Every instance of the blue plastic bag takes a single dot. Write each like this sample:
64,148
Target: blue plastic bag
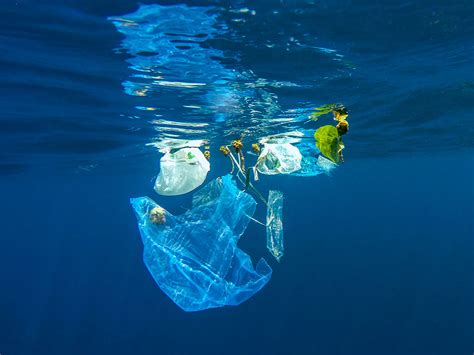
194,257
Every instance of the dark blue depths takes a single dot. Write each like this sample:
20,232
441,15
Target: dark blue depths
378,260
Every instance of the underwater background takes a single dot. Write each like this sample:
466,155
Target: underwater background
378,256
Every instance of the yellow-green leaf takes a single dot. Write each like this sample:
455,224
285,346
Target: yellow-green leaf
328,142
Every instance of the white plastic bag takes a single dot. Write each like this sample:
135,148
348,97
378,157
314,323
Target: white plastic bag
279,159
181,172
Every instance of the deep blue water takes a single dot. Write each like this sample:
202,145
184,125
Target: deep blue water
379,257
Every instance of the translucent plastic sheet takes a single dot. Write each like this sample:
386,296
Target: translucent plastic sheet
313,164
275,242
286,159
309,162
326,165
194,257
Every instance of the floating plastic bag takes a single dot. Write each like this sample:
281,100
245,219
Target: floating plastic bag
279,159
275,224
181,172
194,257
309,161
313,163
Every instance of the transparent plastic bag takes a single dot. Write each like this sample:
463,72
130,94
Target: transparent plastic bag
181,172
282,158
313,163
309,166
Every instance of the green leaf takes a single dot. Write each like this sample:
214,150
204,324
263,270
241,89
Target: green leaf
328,142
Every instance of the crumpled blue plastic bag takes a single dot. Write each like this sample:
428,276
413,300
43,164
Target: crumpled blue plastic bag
194,257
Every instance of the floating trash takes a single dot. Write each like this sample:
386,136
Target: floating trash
326,165
194,257
181,172
279,159
275,242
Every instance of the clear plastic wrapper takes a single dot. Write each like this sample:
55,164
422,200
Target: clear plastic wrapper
275,240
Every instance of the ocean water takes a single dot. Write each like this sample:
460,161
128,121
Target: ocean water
378,256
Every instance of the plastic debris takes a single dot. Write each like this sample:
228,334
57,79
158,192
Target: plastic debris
275,242
282,158
309,161
325,165
194,257
309,165
255,173
181,172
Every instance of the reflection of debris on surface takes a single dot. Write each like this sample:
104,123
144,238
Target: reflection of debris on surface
339,112
140,92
